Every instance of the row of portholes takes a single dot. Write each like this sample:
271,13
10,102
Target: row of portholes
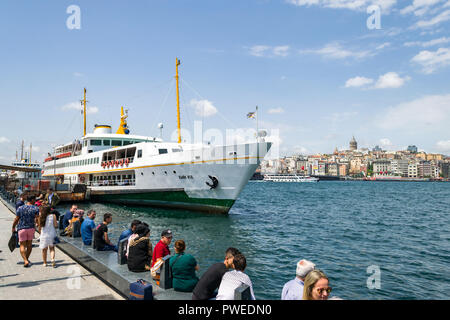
153,172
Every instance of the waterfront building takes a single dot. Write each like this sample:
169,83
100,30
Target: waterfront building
382,167
445,170
399,167
412,170
343,169
333,169
424,169
355,165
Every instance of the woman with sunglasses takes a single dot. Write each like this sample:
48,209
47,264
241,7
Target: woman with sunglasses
316,286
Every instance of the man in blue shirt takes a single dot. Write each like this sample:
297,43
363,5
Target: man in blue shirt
68,216
87,227
293,290
127,233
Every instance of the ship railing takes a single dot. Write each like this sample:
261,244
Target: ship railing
108,183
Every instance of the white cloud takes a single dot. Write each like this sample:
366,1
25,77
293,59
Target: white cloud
269,51
443,16
358,82
384,45
78,74
4,140
359,5
419,7
79,106
203,108
443,146
429,112
390,80
275,110
432,60
258,51
335,51
385,142
429,43
281,51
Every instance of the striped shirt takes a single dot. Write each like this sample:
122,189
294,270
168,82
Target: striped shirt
231,280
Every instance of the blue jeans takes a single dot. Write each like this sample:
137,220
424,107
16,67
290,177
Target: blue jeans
109,247
88,242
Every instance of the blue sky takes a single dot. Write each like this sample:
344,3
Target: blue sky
317,72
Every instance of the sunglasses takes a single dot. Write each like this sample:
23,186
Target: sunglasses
321,290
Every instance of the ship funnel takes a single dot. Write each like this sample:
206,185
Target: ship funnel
102,129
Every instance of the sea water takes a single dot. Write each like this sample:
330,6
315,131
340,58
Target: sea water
374,240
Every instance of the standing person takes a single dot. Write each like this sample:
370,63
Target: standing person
162,247
233,279
127,233
101,239
88,227
183,268
26,220
140,250
293,290
316,286
47,229
210,280
52,198
68,216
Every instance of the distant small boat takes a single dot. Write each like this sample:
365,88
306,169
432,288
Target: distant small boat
289,178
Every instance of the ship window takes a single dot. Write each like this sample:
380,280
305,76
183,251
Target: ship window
125,143
116,143
85,143
106,142
96,142
176,150
162,151
139,154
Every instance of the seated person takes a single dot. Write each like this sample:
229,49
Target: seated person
87,227
140,250
68,216
101,239
183,268
233,279
210,280
127,233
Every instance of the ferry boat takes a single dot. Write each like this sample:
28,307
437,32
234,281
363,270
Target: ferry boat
25,162
138,170
289,178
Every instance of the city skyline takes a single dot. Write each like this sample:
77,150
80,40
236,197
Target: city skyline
318,70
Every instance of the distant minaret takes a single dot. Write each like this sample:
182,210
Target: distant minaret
353,144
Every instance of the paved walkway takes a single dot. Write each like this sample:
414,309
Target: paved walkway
68,281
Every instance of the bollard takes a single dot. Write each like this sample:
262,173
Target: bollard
121,257
165,280
242,293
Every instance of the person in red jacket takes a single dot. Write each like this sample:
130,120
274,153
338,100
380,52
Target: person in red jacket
162,247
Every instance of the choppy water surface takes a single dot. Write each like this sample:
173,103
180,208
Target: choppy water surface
343,227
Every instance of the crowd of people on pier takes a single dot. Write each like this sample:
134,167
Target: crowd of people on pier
218,282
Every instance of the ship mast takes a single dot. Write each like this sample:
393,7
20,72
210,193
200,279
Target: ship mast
177,63
84,112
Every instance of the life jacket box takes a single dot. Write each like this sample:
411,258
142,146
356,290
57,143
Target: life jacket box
141,290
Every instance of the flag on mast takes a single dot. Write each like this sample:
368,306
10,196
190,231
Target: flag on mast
251,115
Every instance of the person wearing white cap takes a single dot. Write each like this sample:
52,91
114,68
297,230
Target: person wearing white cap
293,290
